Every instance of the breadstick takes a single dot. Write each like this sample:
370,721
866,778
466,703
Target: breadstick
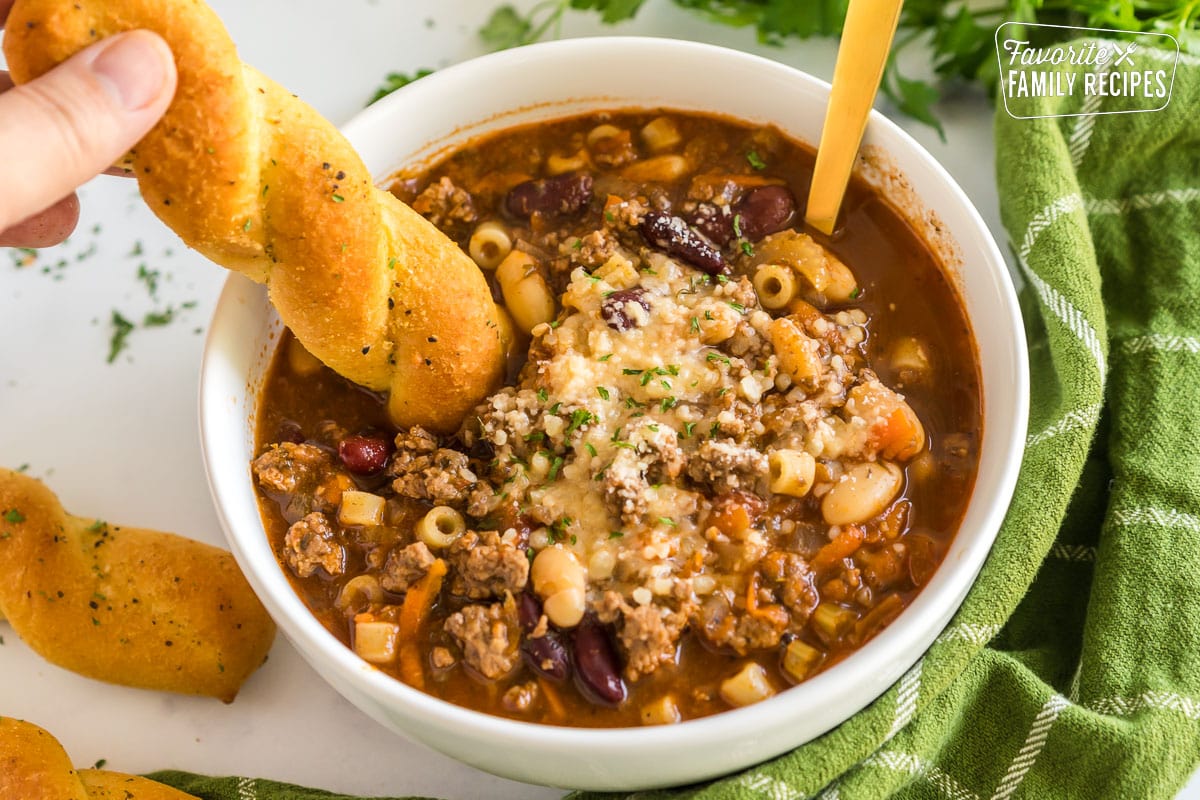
125,605
34,766
259,182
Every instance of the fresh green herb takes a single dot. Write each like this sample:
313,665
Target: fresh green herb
558,529
631,371
603,392
610,216
747,248
755,160
246,226
337,198
958,37
695,324
688,427
737,225
711,357
157,319
605,357
591,448
554,408
534,437
100,763
555,466
738,307
668,521
97,526
121,330
854,294
14,516
148,277
615,534
579,418
667,404
397,80
542,395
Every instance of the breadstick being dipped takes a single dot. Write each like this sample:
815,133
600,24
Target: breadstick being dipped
125,605
34,766
260,183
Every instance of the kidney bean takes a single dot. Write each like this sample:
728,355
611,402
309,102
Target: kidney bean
547,656
596,667
289,431
676,238
561,194
715,222
363,453
613,308
765,210
529,611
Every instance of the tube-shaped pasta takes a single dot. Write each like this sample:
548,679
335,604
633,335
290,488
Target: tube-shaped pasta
748,686
791,472
489,244
359,592
660,134
776,285
526,294
375,641
361,508
602,132
661,169
557,165
440,527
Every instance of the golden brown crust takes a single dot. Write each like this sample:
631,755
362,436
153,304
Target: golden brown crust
125,605
260,183
34,766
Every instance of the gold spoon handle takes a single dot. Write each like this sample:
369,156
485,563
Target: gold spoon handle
866,39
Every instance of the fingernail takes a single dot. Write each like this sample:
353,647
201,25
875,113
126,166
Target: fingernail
131,66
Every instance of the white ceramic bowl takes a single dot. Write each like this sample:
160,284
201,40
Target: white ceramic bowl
558,79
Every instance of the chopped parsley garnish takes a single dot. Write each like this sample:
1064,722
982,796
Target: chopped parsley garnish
397,80
157,319
629,371
579,418
558,529
717,357
688,427
615,534
555,466
667,403
150,278
737,225
603,392
857,291
695,324
590,448
747,248
246,226
605,357
755,160
14,516
536,436
668,521
738,307
337,198
121,330
542,395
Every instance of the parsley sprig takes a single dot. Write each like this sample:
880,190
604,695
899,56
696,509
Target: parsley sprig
959,36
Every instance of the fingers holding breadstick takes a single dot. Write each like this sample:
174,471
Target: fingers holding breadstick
125,605
260,183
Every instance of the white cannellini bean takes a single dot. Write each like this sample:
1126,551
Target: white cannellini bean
863,491
555,569
565,608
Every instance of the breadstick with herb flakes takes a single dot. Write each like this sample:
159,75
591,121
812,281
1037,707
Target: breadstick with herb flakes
262,184
34,766
125,605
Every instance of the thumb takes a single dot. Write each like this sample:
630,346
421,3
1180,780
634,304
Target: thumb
63,128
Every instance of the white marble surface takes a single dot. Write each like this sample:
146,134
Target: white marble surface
119,440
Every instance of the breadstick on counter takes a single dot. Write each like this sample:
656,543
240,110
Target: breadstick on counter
34,766
125,605
259,182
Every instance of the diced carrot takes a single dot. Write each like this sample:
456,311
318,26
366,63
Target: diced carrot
417,604
842,546
900,435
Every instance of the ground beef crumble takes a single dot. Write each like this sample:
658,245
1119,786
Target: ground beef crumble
484,565
446,205
289,467
311,544
405,566
423,471
487,636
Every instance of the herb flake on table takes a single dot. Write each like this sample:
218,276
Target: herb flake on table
397,80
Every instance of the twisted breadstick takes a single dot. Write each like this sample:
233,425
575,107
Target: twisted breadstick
125,605
260,183
34,766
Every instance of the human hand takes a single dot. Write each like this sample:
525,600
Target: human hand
62,129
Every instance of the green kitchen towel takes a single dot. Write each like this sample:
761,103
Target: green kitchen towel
1073,667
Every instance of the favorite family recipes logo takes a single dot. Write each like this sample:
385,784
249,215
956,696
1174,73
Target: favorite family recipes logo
1133,73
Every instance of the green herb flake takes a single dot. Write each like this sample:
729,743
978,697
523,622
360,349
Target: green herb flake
695,324
668,522
397,80
747,248
542,395
605,357
14,516
119,341
755,160
591,448
854,294
603,392
337,198
246,226
737,225
615,534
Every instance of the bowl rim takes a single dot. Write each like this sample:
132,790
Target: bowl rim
920,623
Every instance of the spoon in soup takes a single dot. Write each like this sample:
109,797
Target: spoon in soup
866,39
